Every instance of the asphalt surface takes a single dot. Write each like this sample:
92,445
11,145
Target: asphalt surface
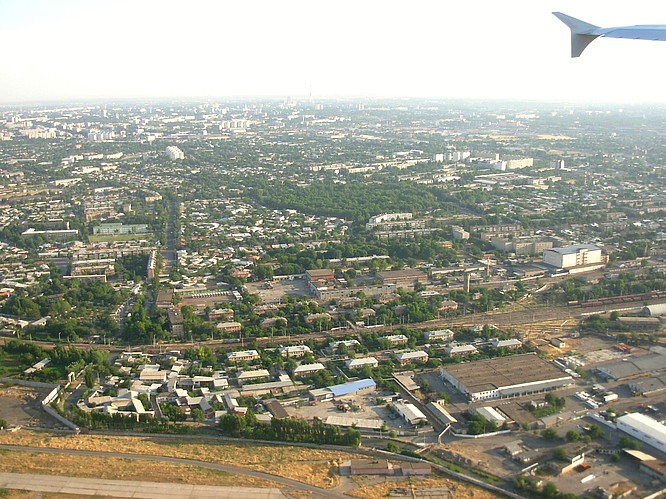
128,488
235,470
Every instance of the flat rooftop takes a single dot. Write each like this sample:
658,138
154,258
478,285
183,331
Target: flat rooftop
500,372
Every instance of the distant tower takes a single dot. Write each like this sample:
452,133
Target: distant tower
468,279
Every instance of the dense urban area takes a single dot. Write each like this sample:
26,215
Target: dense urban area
457,299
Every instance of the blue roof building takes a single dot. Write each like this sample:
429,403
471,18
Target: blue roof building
351,388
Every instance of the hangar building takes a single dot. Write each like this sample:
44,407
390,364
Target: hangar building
504,377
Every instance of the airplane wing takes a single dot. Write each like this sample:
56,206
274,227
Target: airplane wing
582,33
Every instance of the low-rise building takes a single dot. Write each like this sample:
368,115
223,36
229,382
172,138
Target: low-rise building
294,351
334,345
307,369
244,355
371,467
438,335
407,277
510,344
230,326
412,357
409,412
361,362
395,339
454,349
504,377
359,387
248,376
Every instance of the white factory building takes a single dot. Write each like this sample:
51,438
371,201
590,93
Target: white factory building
644,428
573,256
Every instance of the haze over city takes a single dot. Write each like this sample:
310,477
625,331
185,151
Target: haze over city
83,50
286,249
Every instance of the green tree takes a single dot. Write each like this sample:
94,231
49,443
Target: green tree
572,436
549,434
392,447
595,431
630,443
560,453
550,491
89,376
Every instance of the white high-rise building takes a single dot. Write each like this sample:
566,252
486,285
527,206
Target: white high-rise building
174,153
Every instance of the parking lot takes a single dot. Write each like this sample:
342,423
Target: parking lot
295,287
606,474
360,407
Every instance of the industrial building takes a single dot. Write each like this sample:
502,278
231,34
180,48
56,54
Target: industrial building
644,428
409,412
656,310
576,255
352,388
402,277
441,414
634,366
504,377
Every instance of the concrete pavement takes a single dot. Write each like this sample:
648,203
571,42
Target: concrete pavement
129,488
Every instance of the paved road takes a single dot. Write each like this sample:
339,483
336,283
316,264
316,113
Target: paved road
293,484
128,488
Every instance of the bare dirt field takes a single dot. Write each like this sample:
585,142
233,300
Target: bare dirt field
21,406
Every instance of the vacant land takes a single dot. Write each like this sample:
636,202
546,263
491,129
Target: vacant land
432,486
21,406
26,494
316,467
121,469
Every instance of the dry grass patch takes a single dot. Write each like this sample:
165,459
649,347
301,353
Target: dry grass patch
457,490
312,466
109,468
27,494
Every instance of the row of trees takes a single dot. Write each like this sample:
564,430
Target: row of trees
288,430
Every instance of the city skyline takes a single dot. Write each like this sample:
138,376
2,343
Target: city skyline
83,51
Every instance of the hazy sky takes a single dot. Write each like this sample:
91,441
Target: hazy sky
92,49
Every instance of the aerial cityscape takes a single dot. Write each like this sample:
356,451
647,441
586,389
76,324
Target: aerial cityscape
395,294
